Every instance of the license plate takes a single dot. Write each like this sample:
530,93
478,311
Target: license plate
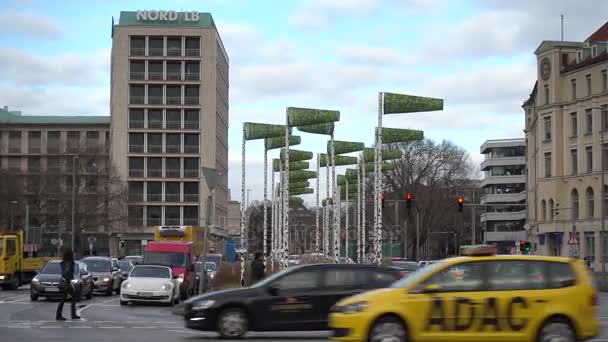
145,294
51,289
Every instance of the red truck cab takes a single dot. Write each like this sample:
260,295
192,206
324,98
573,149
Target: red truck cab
178,255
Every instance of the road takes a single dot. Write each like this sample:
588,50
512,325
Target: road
105,320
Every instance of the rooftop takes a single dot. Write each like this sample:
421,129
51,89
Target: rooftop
15,117
166,18
501,143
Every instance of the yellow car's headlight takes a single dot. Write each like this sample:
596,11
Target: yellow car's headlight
350,308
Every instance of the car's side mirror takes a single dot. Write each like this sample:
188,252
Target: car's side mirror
84,273
115,269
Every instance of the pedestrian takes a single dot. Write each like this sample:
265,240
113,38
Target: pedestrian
257,268
65,285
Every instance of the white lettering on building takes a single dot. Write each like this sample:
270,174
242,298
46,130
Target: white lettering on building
154,15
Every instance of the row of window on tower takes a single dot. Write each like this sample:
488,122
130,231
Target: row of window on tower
409,200
551,211
161,46
159,94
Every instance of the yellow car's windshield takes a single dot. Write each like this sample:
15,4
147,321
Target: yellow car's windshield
1,246
421,273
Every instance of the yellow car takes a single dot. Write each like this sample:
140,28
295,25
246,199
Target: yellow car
479,297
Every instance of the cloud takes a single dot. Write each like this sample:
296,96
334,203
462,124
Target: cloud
28,25
371,55
317,14
27,69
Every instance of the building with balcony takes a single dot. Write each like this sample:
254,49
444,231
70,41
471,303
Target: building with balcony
566,126
503,192
169,109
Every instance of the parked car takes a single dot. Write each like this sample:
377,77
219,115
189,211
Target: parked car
297,298
150,283
106,275
134,259
125,268
294,260
46,282
405,267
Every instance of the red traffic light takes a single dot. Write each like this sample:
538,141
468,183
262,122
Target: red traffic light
382,196
460,200
408,196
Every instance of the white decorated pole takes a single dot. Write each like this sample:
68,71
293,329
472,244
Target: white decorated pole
327,220
280,204
359,211
265,224
339,210
364,207
317,213
286,199
243,250
346,221
336,221
272,221
378,185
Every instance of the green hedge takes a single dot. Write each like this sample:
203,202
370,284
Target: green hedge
298,184
301,191
324,128
278,142
369,167
301,175
394,135
255,130
308,116
324,202
351,174
296,201
296,165
340,160
343,147
390,154
400,103
296,155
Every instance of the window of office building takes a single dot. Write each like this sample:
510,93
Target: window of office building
543,210
573,124
590,246
573,88
193,46
604,80
191,215
73,144
136,167
137,93
589,155
174,95
34,141
154,215
546,93
191,191
547,127
604,113
136,142
191,95
551,210
136,118
155,191
155,46
174,71
155,94
137,70
547,164
191,119
155,143
191,143
172,168
172,215
191,167
605,157
14,142
155,118
172,191
590,202
155,70
589,118
575,204
136,191
574,160
155,167
92,141
588,81
53,142
174,119
174,46
192,71
135,216
173,143
137,45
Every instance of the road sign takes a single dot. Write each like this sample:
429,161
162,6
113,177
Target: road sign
573,240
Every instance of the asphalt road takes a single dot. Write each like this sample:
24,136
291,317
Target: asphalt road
105,320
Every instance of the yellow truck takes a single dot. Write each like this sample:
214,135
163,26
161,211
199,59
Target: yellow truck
193,234
15,268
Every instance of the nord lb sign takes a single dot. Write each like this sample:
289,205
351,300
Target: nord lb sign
167,16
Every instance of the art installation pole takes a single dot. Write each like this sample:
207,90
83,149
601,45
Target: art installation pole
280,222
242,228
317,213
339,210
359,211
286,198
272,222
334,204
265,224
378,184
327,220
363,206
346,220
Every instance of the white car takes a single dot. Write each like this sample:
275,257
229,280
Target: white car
150,283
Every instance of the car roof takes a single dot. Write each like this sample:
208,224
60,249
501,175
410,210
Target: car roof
102,258
152,265
342,266
509,257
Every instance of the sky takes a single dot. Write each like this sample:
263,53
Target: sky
478,55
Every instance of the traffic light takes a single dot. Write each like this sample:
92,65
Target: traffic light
408,200
382,199
535,247
524,247
460,201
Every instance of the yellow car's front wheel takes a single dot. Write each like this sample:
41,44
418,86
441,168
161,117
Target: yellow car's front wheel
388,329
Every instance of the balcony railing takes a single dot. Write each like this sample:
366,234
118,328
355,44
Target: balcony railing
193,52
53,169
154,197
190,173
155,172
192,76
174,76
136,197
136,124
136,148
190,148
173,124
155,75
136,100
155,148
171,197
137,76
172,173
190,221
174,51
190,197
155,52
136,173
138,51
174,100
155,124
172,221
173,149
153,221
34,149
52,149
191,124
191,100
155,100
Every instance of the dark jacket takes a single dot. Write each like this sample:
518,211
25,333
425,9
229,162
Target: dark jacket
67,271
257,270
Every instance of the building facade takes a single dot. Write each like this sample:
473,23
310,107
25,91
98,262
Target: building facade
567,151
169,117
503,193
41,157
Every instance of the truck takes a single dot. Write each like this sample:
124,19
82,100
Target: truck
16,268
193,234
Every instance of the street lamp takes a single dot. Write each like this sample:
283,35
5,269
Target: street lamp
11,210
212,177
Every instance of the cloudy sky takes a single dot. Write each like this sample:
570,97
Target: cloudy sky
477,55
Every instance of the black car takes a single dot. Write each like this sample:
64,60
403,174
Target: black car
106,274
295,299
125,268
46,282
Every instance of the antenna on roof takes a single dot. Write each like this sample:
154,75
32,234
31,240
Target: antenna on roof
562,27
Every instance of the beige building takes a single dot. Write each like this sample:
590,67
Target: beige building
169,110
567,151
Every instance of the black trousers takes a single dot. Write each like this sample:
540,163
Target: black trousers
68,290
